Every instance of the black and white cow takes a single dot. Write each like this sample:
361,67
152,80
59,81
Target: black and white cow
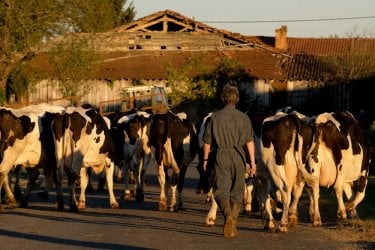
82,140
26,140
339,157
174,144
132,137
285,140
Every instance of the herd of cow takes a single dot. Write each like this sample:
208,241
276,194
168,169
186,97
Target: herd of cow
294,153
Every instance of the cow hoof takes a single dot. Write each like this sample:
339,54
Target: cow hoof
209,223
115,205
341,215
353,214
163,205
43,195
173,208
246,211
126,196
317,223
11,202
282,229
81,205
293,220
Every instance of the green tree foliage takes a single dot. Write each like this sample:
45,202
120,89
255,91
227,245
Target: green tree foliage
349,68
75,61
18,83
357,62
99,15
197,87
25,25
187,87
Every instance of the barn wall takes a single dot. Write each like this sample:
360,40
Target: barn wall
257,89
101,91
298,93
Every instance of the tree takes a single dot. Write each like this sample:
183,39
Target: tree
187,87
74,60
99,16
196,87
25,26
356,63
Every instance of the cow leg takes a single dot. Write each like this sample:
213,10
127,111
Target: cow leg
89,187
266,207
163,206
148,159
101,181
353,199
59,188
10,199
109,178
32,174
83,183
72,177
180,186
248,195
173,205
125,177
50,178
17,188
316,221
278,175
311,200
293,210
286,196
138,172
212,213
341,212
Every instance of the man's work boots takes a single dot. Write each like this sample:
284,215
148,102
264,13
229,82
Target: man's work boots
228,227
225,208
235,208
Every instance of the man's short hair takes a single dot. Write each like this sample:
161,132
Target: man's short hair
230,94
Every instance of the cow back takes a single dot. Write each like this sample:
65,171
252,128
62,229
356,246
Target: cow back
280,131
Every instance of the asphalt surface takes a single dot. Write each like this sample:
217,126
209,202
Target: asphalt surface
142,226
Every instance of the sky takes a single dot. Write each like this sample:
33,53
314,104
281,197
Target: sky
262,17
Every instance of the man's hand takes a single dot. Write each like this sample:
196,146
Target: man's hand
253,168
205,165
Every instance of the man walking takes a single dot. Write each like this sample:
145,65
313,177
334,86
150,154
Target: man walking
230,132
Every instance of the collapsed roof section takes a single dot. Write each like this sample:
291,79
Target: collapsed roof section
168,21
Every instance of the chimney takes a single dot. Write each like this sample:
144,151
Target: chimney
281,38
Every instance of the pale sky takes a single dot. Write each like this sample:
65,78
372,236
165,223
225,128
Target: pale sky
248,11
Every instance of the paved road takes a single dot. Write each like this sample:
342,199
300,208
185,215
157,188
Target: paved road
142,226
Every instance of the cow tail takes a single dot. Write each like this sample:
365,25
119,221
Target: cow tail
310,179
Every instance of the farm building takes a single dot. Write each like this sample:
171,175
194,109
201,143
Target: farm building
282,70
